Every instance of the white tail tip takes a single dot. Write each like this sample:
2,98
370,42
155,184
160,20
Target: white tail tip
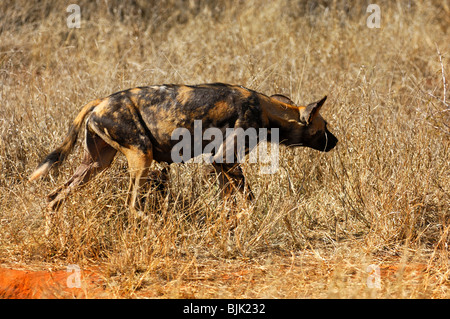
41,170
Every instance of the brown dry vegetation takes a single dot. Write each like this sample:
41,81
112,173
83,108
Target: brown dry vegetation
381,197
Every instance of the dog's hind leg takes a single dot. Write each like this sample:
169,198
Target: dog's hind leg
138,165
120,125
98,156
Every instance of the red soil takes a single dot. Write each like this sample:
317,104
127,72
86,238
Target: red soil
22,284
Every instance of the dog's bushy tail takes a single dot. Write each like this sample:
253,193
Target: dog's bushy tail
61,153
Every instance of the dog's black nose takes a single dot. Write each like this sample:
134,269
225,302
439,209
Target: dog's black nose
331,141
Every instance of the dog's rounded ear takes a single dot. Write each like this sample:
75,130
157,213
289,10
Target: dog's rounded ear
308,113
282,98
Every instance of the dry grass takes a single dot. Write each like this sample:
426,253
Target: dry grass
381,197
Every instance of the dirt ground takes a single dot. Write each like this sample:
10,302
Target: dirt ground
306,276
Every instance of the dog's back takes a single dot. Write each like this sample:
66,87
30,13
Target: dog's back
156,111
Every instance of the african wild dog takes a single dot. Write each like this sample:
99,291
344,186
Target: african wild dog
139,122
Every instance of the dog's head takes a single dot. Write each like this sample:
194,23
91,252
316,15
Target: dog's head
309,129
